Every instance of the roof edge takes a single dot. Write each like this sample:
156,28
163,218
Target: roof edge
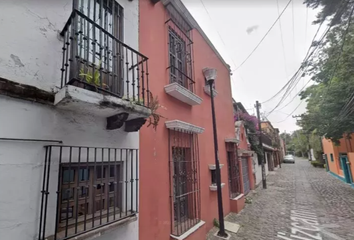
181,8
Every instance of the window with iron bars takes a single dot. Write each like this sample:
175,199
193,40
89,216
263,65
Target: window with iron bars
184,170
180,49
96,58
96,186
233,170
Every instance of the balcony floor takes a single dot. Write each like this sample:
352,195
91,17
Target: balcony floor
96,104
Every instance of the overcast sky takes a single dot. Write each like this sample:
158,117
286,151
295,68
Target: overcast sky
236,26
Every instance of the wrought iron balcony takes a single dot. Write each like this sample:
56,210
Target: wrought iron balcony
86,188
95,60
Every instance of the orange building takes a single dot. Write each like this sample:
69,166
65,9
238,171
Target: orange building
340,158
178,198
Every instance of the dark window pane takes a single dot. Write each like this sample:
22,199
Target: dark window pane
100,188
112,171
68,175
83,191
84,174
99,171
67,193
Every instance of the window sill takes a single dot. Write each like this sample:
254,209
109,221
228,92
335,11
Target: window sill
97,232
213,166
214,187
189,232
207,91
238,197
183,94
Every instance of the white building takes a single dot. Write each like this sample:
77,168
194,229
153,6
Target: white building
72,99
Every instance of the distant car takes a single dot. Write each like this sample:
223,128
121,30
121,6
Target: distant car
289,159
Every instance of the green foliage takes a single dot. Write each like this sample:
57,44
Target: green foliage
299,143
93,78
333,72
216,223
330,9
248,200
318,164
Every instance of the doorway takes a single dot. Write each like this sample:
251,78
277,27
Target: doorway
344,163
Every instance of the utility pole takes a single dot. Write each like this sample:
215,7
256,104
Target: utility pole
264,181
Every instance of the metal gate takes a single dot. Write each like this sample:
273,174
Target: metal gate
245,175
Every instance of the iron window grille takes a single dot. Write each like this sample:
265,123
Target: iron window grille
95,57
233,170
85,188
185,184
180,49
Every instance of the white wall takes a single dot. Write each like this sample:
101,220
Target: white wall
31,51
258,168
21,163
31,54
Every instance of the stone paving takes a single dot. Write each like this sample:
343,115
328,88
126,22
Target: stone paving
296,186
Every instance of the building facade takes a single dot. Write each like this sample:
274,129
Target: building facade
178,183
272,147
340,157
73,95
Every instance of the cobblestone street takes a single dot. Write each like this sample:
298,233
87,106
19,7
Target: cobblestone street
302,188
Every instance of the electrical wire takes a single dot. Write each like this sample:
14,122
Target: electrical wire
282,40
291,82
290,113
222,40
244,61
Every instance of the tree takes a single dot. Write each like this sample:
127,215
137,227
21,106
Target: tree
333,72
337,10
299,141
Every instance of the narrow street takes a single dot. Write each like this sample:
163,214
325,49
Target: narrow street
302,201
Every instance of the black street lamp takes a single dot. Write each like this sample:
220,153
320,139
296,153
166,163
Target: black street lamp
210,76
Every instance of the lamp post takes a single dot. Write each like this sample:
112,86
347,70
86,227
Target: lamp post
210,76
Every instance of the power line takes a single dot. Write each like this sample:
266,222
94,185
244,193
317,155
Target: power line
263,36
222,40
290,83
290,113
293,26
282,40
296,95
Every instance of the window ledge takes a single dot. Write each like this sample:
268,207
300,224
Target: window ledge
189,232
207,91
213,187
238,197
213,166
183,126
183,94
95,233
232,140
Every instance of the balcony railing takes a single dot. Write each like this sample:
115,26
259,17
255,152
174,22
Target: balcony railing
85,188
94,58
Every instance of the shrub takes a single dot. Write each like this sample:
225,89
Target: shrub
318,164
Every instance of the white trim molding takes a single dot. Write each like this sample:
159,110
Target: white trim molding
213,166
189,232
232,140
207,90
238,197
213,187
183,94
267,147
183,126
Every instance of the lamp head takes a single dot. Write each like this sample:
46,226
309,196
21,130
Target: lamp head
210,74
